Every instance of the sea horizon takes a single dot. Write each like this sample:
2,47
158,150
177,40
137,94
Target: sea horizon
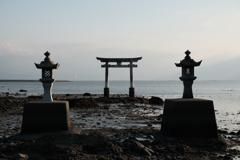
63,80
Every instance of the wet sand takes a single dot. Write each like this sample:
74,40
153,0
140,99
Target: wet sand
118,127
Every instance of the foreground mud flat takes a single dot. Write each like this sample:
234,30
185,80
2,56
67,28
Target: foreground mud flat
108,128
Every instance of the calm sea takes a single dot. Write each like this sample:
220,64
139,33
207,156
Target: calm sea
225,94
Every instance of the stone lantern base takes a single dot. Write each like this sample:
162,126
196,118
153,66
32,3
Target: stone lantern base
45,116
189,118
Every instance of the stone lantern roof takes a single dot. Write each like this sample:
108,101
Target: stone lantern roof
187,61
47,63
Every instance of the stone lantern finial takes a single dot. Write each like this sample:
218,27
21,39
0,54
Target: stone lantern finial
47,54
187,54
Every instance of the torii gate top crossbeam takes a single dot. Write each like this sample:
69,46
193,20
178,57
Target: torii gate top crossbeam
119,62
119,59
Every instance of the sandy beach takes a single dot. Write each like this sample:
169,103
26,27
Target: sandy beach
118,127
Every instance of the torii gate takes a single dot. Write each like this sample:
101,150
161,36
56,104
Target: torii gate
119,65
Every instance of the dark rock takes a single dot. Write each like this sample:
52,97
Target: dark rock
68,94
226,157
3,156
149,125
232,133
183,148
83,103
238,132
124,101
180,148
87,94
222,132
159,118
23,90
220,145
137,147
89,148
106,107
142,100
156,100
35,97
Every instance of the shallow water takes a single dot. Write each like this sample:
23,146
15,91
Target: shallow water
116,116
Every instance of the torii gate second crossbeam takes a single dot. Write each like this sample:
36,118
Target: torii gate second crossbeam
119,65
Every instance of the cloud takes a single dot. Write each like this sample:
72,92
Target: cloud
13,49
206,24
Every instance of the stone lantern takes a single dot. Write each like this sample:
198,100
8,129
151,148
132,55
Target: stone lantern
47,67
46,115
188,116
188,77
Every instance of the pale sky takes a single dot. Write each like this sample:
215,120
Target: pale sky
75,32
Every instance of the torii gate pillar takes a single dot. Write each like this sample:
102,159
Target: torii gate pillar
119,65
106,89
131,89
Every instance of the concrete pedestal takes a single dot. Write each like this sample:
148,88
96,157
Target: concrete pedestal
45,116
189,118
106,92
131,92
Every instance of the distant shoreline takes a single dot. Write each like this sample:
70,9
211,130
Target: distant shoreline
13,80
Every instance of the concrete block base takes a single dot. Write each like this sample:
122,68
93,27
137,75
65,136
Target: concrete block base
106,92
189,118
45,116
131,92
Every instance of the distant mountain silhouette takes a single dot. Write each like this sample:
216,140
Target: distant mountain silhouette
225,70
